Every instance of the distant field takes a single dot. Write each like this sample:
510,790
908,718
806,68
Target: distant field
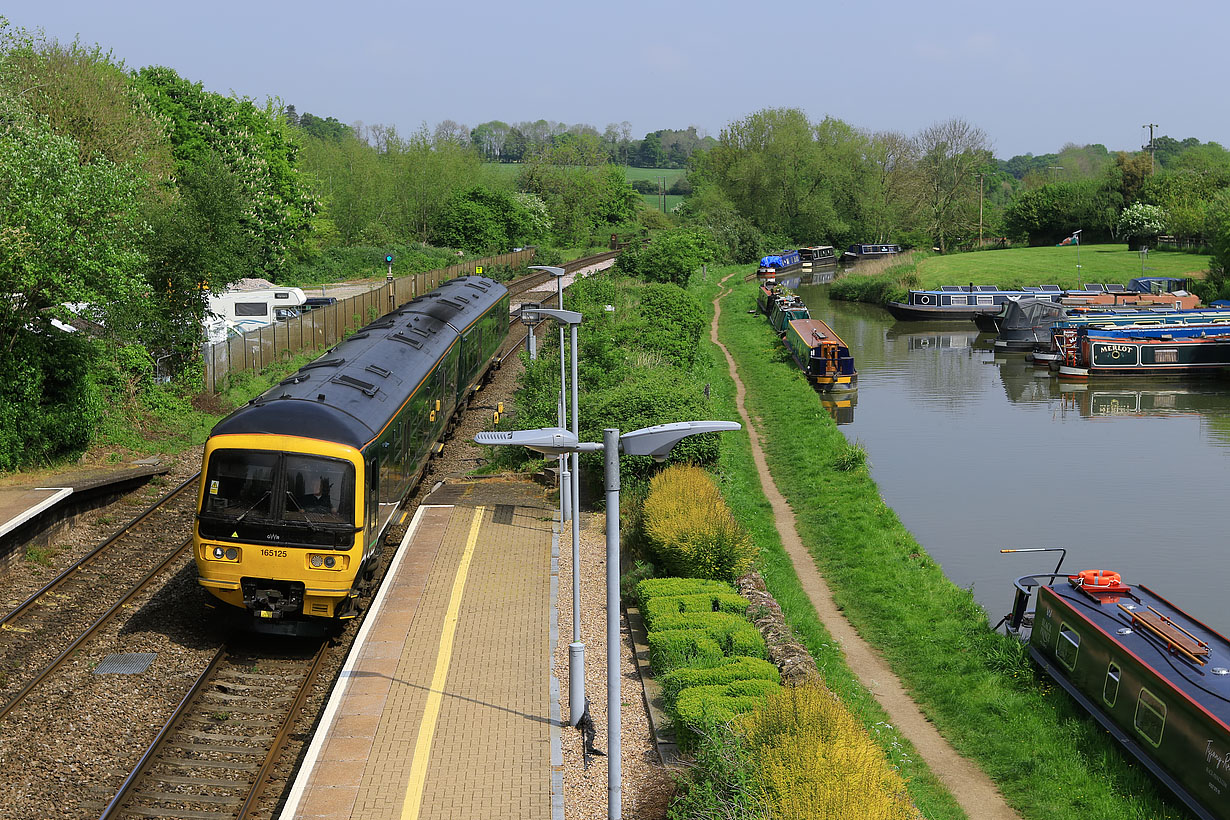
652,174
654,201
1056,266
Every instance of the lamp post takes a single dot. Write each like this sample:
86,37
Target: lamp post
655,442
570,485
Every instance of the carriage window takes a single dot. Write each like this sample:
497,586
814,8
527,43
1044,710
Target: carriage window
1110,689
1150,717
1068,646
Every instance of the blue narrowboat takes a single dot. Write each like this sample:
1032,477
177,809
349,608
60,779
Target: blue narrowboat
1152,675
778,264
955,302
858,252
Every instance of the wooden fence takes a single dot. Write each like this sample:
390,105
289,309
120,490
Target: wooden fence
328,325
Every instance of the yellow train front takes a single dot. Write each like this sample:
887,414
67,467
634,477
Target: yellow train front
299,486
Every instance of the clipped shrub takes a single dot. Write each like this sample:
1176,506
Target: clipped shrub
702,707
652,588
723,672
667,605
691,530
811,758
669,649
731,634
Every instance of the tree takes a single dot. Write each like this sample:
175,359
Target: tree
950,156
1138,223
488,138
452,131
582,191
1132,171
256,147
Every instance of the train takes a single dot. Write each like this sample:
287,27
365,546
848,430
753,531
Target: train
299,486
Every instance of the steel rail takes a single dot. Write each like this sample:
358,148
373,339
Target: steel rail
63,576
102,620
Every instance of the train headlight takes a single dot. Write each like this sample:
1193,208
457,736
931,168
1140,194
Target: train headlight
317,561
232,554
330,561
219,553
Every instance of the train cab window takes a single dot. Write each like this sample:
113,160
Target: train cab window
1110,689
240,482
1068,646
319,490
1150,717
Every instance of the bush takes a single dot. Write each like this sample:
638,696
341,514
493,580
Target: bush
652,588
726,671
667,605
672,256
670,649
811,758
703,707
690,528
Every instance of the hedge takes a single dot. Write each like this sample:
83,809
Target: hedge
726,671
703,706
666,605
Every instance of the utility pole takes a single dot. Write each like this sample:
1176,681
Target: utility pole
980,177
1151,126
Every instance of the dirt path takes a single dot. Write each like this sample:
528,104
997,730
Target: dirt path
975,792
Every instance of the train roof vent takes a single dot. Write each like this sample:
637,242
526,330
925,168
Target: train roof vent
459,304
382,323
478,287
378,370
362,334
367,388
324,363
295,379
404,339
425,332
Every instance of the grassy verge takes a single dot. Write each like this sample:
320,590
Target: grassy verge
1049,759
741,488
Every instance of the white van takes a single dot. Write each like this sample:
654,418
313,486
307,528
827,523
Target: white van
237,311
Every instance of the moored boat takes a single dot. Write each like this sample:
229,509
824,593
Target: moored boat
778,264
1162,291
814,257
858,252
786,309
1026,323
1151,674
1140,351
820,353
956,302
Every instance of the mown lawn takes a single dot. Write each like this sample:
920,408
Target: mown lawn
1013,267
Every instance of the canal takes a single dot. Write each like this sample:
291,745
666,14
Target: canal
978,452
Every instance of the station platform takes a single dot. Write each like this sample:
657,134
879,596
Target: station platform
23,503
446,706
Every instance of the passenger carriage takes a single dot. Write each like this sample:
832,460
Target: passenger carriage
298,487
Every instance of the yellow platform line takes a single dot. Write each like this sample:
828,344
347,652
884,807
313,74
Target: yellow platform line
413,803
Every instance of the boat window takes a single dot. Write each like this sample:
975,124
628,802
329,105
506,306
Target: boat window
1068,646
1150,717
1168,356
1110,689
986,300
959,300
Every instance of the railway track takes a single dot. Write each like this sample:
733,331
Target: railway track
41,632
214,757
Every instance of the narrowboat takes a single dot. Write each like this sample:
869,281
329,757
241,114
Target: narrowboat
1163,291
1026,323
822,356
1140,351
817,256
1062,344
767,296
859,252
778,264
955,302
1152,675
786,309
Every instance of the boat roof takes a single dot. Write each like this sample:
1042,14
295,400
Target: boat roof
805,328
1200,683
1168,330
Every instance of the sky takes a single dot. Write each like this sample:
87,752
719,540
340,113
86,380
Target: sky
1034,76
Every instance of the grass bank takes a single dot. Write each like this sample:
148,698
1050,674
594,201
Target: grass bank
978,687
1009,268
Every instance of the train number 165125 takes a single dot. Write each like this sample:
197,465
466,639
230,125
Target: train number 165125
274,553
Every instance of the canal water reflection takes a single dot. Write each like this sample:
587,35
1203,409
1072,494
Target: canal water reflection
977,452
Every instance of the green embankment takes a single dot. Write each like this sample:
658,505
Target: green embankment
1050,759
1013,267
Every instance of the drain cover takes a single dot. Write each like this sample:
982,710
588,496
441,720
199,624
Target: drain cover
129,663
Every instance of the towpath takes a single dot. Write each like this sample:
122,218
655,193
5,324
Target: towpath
969,785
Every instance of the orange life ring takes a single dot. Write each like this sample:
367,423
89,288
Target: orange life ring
1099,578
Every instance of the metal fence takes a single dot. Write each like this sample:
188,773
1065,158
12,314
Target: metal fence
328,325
